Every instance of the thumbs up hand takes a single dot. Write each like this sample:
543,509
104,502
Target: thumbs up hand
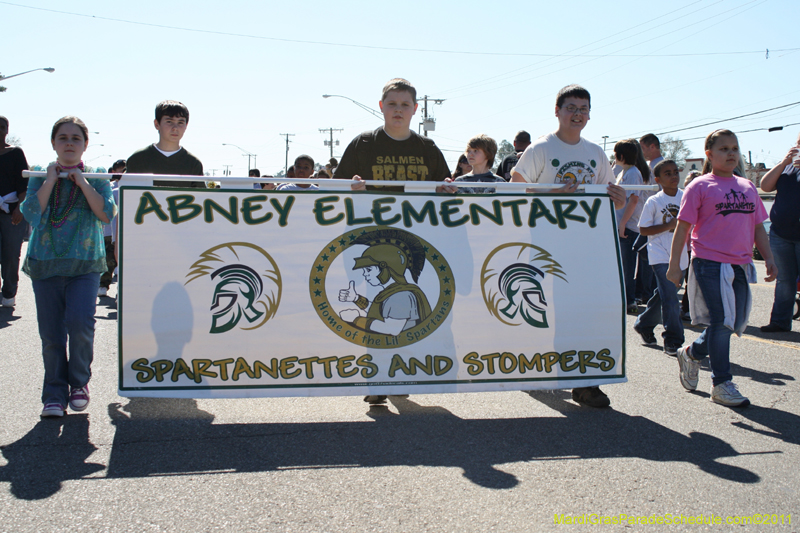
349,294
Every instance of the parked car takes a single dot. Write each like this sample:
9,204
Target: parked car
756,253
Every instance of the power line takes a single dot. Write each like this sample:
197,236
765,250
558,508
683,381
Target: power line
388,48
727,119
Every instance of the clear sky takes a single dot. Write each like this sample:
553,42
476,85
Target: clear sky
250,71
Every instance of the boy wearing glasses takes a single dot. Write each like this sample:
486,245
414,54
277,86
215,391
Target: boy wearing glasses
567,159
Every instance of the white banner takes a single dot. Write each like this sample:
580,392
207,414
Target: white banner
240,293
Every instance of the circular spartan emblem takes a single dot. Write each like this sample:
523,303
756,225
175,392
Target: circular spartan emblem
514,281
245,285
381,287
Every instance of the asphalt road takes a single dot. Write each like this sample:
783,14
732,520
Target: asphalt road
507,461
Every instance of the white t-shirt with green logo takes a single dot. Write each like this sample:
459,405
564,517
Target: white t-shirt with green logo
551,160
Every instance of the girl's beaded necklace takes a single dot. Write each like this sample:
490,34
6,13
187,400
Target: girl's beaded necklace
57,221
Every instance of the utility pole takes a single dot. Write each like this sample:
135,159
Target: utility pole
286,163
227,171
429,124
330,143
605,138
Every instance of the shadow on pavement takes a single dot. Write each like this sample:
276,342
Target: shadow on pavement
54,451
157,436
7,317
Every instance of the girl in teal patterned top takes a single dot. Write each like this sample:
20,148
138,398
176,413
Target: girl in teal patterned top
66,256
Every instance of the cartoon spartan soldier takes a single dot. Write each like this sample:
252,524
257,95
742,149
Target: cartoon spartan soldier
399,305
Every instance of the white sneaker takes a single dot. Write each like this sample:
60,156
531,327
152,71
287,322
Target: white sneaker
728,394
8,302
689,369
52,410
102,291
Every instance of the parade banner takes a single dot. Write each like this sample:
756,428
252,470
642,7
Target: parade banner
242,293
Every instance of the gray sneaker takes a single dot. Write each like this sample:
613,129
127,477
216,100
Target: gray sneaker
728,394
689,368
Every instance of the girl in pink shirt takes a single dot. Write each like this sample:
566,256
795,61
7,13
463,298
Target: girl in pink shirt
725,215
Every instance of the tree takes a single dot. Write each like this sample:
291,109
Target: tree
675,149
13,140
503,149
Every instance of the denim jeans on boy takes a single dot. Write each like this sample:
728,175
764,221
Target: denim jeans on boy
663,305
787,258
628,265
65,307
715,341
645,281
11,237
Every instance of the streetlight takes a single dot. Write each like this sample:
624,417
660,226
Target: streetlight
2,89
248,154
99,156
94,145
359,104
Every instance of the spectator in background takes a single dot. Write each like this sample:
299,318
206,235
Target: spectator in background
255,173
481,151
109,231
330,168
462,167
651,148
521,141
784,236
625,153
12,225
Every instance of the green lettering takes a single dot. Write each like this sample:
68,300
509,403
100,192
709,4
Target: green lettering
449,208
539,210
182,202
320,209
475,211
378,209
428,210
148,204
283,210
351,216
592,211
564,208
209,206
252,204
515,215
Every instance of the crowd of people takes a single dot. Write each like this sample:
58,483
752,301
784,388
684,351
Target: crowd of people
716,218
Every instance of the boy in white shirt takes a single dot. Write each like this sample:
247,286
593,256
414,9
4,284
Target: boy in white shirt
657,222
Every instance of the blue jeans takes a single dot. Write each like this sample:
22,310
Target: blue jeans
715,341
645,282
663,305
65,308
628,265
11,237
787,258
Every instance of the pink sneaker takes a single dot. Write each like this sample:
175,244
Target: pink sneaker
79,398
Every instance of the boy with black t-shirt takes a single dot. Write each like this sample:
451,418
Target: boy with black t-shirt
167,156
394,152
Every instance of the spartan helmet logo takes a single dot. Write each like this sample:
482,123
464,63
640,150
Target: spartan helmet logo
238,288
524,294
241,291
515,279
